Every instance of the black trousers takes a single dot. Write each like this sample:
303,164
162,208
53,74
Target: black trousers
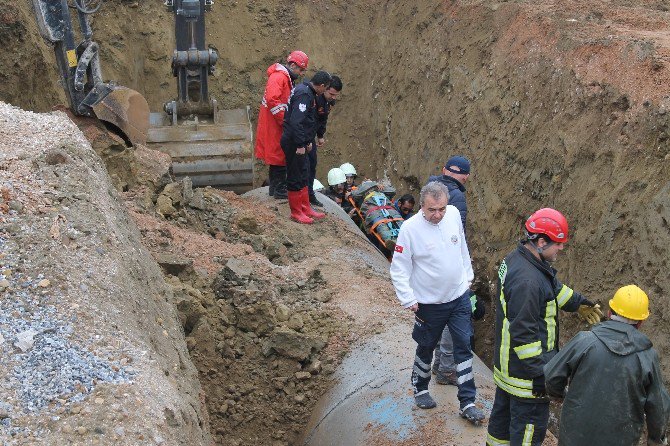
296,170
277,179
517,422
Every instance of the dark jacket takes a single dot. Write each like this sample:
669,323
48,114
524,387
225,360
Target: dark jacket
333,195
526,333
323,107
615,381
300,119
456,194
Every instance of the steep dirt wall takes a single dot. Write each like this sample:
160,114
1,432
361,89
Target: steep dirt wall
555,107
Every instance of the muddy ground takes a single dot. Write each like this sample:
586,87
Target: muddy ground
560,104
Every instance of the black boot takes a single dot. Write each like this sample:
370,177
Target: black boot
280,192
315,201
272,179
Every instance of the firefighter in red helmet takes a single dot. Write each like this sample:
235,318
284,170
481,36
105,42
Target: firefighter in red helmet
526,331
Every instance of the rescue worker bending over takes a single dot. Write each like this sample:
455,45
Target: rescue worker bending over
337,182
350,172
526,330
615,380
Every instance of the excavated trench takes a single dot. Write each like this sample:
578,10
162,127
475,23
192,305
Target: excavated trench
555,106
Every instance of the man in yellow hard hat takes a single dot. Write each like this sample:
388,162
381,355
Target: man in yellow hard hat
614,378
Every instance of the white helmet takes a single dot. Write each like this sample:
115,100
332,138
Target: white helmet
317,186
336,176
348,169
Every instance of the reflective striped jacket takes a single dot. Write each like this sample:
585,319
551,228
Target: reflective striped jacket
526,336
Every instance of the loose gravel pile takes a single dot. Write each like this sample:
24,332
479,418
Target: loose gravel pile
41,364
91,351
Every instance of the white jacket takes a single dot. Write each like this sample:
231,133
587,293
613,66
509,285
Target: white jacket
431,263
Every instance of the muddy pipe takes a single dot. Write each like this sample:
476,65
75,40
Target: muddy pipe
372,402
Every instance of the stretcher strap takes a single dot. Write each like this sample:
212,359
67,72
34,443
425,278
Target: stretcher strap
385,220
377,208
358,211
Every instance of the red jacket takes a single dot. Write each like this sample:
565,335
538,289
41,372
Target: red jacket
271,116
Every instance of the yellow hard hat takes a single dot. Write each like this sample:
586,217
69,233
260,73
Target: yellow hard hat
631,302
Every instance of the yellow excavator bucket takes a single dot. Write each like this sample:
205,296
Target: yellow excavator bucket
127,110
214,153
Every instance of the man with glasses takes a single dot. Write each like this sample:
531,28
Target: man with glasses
431,272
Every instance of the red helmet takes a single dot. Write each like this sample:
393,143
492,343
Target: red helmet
299,58
549,222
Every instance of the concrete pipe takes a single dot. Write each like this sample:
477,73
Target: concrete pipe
372,402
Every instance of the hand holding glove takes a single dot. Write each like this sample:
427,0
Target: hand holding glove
590,312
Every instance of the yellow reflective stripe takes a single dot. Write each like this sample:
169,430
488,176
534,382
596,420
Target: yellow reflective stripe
71,58
528,350
550,320
493,441
502,301
528,435
504,347
504,383
502,272
564,296
526,384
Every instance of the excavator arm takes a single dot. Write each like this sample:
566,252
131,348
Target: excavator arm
79,67
210,146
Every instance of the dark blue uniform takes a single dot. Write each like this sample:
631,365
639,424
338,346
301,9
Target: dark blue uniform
456,195
322,111
300,125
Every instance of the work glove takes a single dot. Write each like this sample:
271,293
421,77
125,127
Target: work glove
651,442
479,309
590,312
539,390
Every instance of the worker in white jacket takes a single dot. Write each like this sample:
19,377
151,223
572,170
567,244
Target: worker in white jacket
432,272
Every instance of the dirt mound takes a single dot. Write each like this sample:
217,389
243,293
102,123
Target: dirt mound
262,303
92,349
265,308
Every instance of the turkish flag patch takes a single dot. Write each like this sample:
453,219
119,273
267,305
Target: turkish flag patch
398,248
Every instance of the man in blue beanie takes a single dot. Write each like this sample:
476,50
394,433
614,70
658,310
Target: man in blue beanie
454,175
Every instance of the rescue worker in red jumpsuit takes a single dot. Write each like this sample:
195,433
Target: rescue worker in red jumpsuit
281,80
